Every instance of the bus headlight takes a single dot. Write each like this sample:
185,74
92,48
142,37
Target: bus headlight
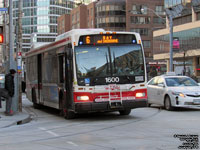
82,98
139,94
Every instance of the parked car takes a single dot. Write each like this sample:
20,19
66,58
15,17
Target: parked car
173,91
2,80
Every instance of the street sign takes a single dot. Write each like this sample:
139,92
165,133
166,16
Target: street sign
19,61
3,9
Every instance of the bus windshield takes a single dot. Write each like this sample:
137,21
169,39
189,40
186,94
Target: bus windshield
103,61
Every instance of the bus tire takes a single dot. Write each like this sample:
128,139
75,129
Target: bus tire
125,112
61,101
34,100
69,114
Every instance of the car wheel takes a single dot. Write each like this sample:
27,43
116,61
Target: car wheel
125,112
167,104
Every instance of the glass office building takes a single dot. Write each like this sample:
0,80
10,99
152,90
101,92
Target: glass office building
39,21
186,45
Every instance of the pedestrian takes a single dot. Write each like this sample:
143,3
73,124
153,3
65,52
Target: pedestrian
10,87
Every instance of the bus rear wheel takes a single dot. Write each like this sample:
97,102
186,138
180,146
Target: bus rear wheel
34,100
125,112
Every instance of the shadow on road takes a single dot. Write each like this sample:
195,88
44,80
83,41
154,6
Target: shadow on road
96,116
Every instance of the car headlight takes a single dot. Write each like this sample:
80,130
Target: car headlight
178,94
181,95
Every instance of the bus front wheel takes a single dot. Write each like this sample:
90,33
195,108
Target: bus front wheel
125,112
69,114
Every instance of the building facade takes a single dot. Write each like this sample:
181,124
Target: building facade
39,21
78,19
145,22
186,45
111,15
122,15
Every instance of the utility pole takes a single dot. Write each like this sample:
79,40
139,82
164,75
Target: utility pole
12,62
19,55
171,43
5,46
11,47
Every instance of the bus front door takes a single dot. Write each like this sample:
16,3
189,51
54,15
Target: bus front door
69,85
39,75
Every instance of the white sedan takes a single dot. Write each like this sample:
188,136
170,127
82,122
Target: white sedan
173,91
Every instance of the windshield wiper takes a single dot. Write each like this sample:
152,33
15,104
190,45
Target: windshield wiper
127,77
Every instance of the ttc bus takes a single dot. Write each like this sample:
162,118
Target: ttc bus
88,70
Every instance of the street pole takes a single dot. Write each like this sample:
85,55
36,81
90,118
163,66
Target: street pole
12,62
11,47
171,43
5,47
19,56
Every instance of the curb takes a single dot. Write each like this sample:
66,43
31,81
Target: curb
19,122
24,121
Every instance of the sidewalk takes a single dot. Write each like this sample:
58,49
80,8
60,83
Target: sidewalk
17,118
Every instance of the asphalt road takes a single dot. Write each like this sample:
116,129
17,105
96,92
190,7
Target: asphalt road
144,129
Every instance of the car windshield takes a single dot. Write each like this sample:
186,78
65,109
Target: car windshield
102,61
180,81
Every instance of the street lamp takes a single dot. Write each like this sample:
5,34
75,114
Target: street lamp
170,36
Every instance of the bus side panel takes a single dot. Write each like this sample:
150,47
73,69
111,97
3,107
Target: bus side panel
50,95
31,78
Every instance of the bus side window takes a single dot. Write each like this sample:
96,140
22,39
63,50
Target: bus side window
61,69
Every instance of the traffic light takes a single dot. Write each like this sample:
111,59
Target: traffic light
1,38
1,34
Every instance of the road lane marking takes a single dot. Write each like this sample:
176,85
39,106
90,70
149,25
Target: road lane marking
48,131
70,142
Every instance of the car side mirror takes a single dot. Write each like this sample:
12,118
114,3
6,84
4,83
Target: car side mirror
161,85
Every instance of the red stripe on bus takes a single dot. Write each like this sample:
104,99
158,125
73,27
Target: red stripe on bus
125,94
47,46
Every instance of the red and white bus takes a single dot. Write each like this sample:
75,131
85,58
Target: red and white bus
88,70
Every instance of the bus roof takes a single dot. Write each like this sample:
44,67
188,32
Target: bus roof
67,37
78,31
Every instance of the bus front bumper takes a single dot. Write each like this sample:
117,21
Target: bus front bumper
105,106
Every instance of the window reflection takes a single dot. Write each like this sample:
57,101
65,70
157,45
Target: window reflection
92,61
127,60
109,61
189,39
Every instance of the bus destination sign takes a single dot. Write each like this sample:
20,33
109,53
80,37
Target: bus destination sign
108,39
